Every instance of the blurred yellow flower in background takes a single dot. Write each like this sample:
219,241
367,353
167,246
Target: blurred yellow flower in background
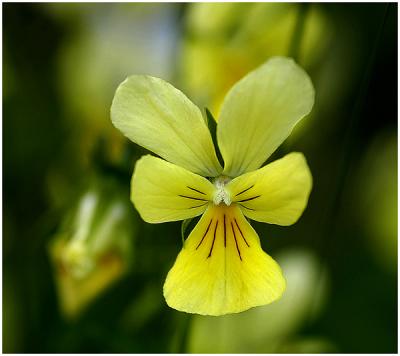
227,40
106,45
221,268
376,195
93,247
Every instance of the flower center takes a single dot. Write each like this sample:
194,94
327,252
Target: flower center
221,195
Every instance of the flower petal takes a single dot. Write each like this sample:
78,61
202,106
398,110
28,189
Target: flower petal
222,268
275,194
157,116
162,191
260,111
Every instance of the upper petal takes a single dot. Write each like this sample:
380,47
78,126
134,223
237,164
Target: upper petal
260,111
275,194
157,116
162,191
222,269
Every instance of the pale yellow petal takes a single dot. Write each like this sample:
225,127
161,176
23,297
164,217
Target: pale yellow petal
222,268
260,111
159,117
275,194
162,191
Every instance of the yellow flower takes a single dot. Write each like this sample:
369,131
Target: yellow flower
221,268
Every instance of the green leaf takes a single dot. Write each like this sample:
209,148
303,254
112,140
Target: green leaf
184,228
212,126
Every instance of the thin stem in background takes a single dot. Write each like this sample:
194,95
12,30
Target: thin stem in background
347,153
294,49
350,136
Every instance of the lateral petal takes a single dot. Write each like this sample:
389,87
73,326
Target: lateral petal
260,111
162,191
222,269
275,194
159,117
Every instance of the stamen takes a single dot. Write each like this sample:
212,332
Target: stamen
244,190
221,195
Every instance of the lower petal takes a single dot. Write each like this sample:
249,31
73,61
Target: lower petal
222,268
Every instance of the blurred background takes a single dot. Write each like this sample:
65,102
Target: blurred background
83,273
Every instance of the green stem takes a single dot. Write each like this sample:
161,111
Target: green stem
179,343
183,344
